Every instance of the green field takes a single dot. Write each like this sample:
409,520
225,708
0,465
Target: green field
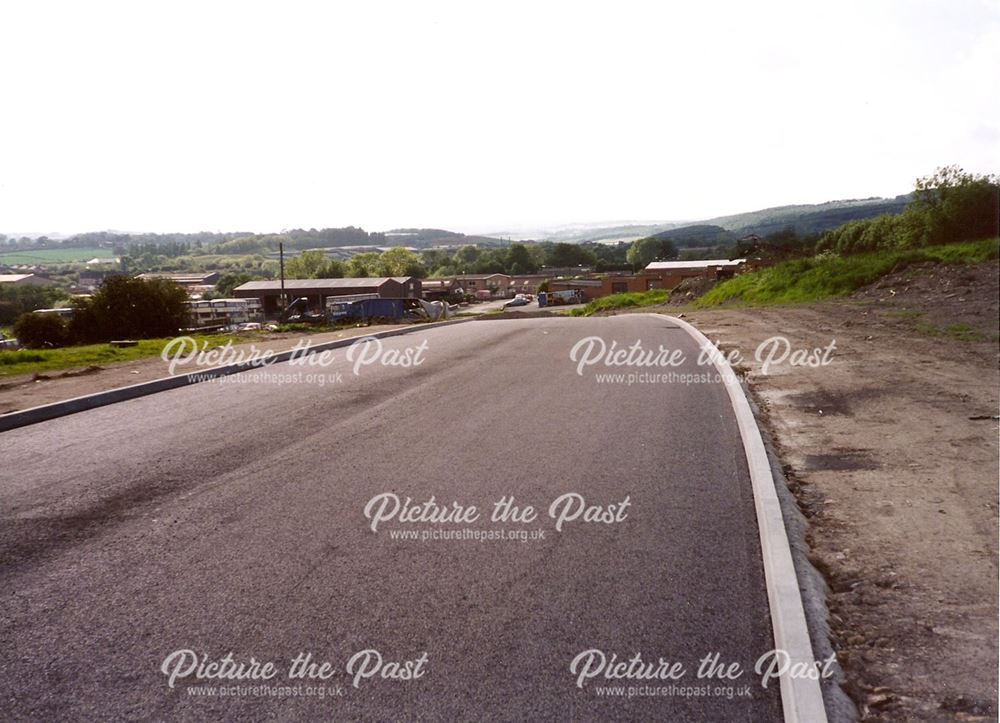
55,256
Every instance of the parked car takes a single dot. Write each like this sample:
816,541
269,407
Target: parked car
518,300
249,326
9,344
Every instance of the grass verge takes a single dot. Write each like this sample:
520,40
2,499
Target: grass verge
622,301
30,361
826,275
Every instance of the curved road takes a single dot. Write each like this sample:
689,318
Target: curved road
230,518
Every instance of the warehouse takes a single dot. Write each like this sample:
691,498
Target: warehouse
316,291
668,274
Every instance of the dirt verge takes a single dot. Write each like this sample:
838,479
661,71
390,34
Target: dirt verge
892,453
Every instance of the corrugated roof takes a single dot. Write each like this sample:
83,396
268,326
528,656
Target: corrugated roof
701,264
10,278
577,282
299,284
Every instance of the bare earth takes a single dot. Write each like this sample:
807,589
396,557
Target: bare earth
892,452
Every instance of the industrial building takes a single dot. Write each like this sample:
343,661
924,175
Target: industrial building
195,284
317,291
24,280
225,312
668,274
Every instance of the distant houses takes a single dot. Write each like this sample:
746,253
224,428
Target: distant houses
657,275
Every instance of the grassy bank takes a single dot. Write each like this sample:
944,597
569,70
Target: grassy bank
622,301
827,275
31,361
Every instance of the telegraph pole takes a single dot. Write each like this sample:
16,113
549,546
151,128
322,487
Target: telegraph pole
281,257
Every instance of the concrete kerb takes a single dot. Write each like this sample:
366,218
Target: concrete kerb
801,698
34,415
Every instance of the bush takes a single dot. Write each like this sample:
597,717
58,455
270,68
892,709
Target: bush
17,300
949,206
127,308
37,331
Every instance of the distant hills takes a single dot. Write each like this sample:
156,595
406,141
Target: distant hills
804,218
810,218
429,237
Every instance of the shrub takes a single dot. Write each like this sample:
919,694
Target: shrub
37,331
126,308
949,206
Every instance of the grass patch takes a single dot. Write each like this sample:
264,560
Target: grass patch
964,332
826,275
622,301
30,361
302,328
927,329
55,256
961,332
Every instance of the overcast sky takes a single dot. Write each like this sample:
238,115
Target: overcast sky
472,116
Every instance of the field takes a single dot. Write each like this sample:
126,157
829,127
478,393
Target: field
55,256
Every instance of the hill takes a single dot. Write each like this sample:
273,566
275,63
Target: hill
429,237
806,219
698,235
809,218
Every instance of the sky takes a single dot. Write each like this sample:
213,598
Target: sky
479,116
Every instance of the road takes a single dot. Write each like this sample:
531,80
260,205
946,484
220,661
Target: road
230,518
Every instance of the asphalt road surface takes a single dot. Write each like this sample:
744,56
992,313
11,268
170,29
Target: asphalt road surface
229,518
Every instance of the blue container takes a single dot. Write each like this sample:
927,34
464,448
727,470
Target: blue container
368,309
543,299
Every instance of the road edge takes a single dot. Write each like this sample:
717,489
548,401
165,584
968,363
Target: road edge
45,412
801,698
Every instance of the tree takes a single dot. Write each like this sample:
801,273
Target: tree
313,265
36,331
520,261
564,254
956,205
229,281
363,265
16,300
465,257
399,261
130,308
643,251
435,258
491,261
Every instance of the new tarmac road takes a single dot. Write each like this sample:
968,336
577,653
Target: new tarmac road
199,554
